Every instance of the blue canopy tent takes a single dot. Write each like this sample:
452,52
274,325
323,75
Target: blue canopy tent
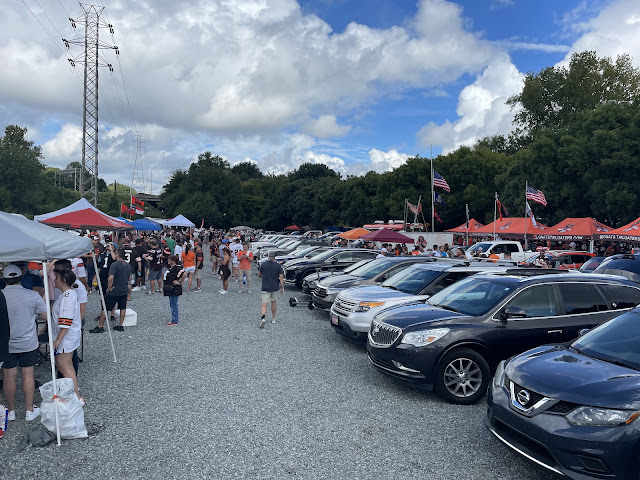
143,224
124,220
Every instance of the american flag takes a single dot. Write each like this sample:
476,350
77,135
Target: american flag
536,195
439,181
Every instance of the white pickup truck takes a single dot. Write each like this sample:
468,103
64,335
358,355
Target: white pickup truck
499,248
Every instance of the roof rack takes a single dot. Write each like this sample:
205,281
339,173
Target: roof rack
530,272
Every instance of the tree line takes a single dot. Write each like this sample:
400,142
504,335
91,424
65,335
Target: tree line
576,137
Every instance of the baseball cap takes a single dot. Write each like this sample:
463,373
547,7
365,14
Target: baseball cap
272,254
11,271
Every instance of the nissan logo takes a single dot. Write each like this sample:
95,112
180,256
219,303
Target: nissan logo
523,397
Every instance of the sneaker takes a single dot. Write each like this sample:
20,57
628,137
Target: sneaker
197,290
119,328
11,415
220,291
171,324
239,291
136,289
97,330
112,318
223,292
151,292
273,321
263,322
1,433
248,291
143,287
32,415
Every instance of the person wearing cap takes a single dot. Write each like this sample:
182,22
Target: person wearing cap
154,257
245,256
30,281
4,342
22,307
272,277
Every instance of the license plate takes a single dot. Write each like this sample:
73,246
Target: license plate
334,319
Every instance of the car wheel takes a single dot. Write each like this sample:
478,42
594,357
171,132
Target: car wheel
462,376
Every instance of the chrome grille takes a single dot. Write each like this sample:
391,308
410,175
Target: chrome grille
344,307
320,292
383,334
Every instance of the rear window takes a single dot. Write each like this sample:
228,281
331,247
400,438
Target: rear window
581,298
620,296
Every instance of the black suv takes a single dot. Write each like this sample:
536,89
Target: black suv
336,259
454,341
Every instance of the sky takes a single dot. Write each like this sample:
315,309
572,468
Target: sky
357,85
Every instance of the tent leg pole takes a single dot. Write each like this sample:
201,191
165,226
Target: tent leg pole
47,298
104,305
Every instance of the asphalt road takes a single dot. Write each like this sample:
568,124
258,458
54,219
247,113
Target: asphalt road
216,397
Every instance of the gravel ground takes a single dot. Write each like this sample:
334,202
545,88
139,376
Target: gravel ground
216,397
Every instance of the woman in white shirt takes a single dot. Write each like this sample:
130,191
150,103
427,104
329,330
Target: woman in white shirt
66,322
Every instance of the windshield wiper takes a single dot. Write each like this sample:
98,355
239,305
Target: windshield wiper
392,287
621,364
447,307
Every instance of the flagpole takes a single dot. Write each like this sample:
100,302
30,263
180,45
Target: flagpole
404,213
466,208
433,216
526,186
495,212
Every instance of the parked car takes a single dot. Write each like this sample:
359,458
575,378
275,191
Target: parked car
336,259
306,252
302,243
373,273
591,264
499,248
622,264
454,341
310,282
354,308
574,409
564,259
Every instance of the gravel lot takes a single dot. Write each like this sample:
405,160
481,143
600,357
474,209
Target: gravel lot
216,397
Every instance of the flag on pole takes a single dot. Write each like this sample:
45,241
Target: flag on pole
126,210
136,201
137,210
536,196
502,210
530,213
415,209
202,224
439,181
435,215
438,199
466,207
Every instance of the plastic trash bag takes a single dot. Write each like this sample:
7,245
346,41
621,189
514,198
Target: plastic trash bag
70,411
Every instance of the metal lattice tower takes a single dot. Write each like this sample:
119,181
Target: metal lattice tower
137,178
92,61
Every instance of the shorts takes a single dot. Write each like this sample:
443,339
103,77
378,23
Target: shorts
269,297
25,359
226,273
190,269
110,301
198,273
235,264
155,275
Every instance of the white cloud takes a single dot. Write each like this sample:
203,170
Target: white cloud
386,161
326,126
481,109
65,147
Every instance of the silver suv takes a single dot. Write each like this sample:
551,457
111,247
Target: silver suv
354,308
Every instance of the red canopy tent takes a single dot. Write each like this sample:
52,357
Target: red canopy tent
574,229
89,219
510,227
630,232
462,229
292,227
387,235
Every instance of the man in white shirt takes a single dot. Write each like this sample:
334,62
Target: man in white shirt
235,263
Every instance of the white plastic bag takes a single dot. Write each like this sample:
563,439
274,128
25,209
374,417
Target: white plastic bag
70,411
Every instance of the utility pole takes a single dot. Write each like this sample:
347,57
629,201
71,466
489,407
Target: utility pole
92,61
137,177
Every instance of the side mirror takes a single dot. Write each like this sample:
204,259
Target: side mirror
513,312
582,331
334,261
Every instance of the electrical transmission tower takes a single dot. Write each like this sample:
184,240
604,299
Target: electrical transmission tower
92,61
137,179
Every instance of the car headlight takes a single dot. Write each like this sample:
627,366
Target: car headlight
366,306
601,417
422,338
332,291
498,377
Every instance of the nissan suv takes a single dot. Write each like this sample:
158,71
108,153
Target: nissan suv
454,341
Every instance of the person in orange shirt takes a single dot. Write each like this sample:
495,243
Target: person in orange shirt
189,263
245,256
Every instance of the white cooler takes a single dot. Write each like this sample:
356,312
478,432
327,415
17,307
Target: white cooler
130,318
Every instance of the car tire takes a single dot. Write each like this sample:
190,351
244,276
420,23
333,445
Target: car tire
462,376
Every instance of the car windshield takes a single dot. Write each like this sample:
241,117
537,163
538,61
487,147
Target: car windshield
472,296
351,268
591,264
302,252
318,252
627,266
282,241
372,268
616,341
323,255
484,246
412,280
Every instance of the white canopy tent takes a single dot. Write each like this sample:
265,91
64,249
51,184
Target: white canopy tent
179,221
24,240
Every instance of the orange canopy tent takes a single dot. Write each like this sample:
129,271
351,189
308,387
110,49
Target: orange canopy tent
511,227
574,229
462,229
630,232
354,234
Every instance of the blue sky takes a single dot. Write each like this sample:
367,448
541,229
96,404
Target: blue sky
357,85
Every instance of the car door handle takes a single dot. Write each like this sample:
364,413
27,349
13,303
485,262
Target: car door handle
554,331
